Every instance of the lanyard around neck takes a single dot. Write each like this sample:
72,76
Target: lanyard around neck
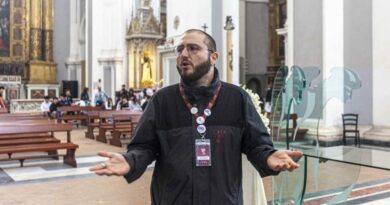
200,119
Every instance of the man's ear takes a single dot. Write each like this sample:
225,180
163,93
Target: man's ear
214,57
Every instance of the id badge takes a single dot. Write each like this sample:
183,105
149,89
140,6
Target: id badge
203,152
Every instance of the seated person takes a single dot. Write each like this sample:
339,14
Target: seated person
100,97
123,104
81,103
61,100
45,106
109,105
53,108
67,100
147,95
85,96
133,104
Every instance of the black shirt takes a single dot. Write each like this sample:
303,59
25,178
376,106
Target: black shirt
167,132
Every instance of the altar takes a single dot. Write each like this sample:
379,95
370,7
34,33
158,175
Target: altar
27,66
11,86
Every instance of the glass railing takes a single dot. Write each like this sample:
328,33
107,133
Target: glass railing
303,102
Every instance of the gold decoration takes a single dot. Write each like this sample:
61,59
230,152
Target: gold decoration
48,15
143,36
146,79
35,44
42,73
48,55
36,14
27,19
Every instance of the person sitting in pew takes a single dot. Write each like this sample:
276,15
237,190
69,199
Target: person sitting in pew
133,104
68,98
53,108
109,105
123,104
45,106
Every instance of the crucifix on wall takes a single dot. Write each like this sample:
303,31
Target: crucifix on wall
205,27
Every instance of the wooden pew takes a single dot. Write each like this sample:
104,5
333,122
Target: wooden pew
92,123
11,146
23,116
120,130
31,137
105,125
79,113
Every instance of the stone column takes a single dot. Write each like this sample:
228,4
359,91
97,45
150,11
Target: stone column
139,68
134,67
333,56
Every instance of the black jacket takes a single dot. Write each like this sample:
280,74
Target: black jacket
166,133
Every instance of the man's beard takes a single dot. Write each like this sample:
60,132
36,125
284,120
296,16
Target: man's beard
199,71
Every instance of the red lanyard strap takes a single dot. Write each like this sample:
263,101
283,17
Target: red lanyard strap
210,104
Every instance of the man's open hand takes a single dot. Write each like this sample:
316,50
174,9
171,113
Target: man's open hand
281,160
115,165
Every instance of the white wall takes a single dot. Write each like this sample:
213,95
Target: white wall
381,63
200,13
61,37
110,19
191,16
333,54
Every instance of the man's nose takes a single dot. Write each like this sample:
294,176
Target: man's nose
185,52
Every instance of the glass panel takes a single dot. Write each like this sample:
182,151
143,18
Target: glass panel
297,117
277,101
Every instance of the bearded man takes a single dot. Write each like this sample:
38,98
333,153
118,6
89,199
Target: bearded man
196,131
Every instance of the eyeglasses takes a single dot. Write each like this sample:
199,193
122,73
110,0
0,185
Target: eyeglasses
192,49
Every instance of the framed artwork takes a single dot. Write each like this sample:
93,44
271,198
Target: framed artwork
37,94
52,93
5,19
13,93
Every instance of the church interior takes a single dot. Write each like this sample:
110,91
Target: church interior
314,66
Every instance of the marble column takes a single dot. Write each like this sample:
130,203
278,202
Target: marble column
333,56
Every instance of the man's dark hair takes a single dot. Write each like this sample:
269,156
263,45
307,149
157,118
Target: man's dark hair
209,41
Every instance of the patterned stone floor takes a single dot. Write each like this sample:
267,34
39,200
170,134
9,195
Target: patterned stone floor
45,170
47,181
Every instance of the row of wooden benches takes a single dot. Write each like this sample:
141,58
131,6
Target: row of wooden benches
119,123
26,137
26,133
